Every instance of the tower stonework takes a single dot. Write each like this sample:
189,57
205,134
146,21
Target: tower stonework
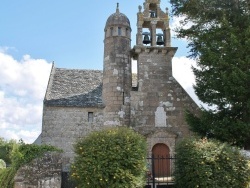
117,79
158,104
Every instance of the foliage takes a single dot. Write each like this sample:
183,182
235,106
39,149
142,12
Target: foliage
2,164
209,163
6,148
27,152
218,34
110,158
20,154
6,177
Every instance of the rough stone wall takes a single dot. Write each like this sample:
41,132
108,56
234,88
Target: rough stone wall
158,107
44,172
62,126
116,87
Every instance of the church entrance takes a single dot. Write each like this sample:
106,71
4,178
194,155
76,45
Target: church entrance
161,160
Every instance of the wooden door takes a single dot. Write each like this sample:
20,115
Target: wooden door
161,160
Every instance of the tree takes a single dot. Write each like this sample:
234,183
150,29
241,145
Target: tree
219,40
2,164
114,157
6,148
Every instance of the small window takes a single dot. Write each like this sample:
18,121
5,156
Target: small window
111,31
90,117
119,31
127,32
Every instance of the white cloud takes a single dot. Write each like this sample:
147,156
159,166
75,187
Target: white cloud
22,88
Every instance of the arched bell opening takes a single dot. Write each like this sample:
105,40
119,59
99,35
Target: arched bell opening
146,36
153,10
160,41
161,163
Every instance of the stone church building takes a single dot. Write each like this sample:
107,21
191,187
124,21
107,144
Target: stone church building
79,101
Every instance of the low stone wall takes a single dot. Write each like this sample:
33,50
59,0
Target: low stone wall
44,172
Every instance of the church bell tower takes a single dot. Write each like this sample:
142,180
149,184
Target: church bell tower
153,53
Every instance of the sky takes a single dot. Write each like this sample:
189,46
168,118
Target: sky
33,34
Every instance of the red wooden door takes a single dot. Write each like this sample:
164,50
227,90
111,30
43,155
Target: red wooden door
161,160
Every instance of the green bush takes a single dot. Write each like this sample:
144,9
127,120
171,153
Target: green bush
208,163
114,158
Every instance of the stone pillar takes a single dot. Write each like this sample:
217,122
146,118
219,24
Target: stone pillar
167,38
153,33
139,36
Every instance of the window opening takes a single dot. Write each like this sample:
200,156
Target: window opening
119,31
127,33
134,74
123,98
90,117
111,31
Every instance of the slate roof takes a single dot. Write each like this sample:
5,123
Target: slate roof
117,18
74,87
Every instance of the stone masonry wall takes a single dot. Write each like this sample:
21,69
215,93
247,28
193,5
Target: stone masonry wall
158,107
44,172
62,126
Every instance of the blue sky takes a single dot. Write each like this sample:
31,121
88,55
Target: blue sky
67,32
35,33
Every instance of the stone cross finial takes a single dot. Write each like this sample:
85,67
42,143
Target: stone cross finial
167,11
140,7
117,8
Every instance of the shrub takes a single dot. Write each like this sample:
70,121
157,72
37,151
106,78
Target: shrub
209,163
113,158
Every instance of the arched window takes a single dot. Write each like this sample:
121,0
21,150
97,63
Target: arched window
111,31
127,32
119,31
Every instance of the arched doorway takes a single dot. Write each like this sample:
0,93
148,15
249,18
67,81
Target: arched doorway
161,160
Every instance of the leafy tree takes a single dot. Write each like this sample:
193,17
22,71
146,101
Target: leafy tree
112,158
219,39
6,148
2,164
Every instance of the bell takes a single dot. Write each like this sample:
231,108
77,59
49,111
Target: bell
152,14
146,39
159,39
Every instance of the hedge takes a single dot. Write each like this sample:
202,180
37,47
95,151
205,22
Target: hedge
209,163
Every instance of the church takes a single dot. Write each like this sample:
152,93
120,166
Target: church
78,101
